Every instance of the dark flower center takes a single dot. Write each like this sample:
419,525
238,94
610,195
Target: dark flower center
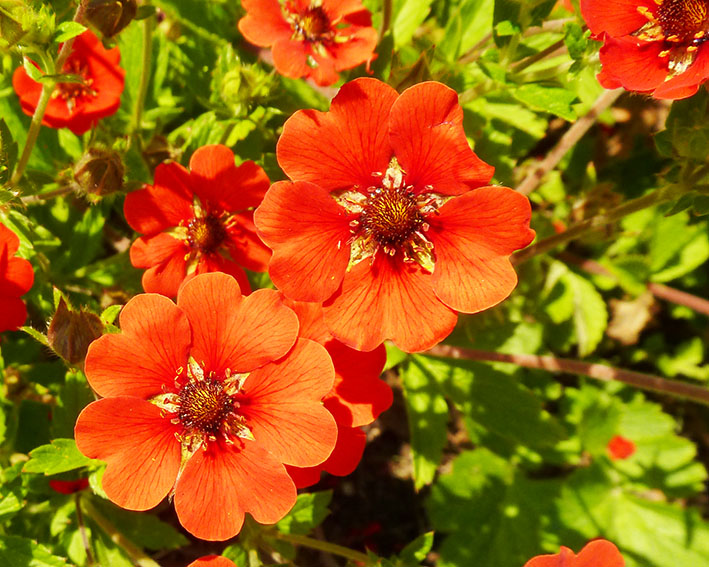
684,20
71,92
312,24
206,234
204,405
390,215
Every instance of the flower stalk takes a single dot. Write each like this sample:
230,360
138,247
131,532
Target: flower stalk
325,546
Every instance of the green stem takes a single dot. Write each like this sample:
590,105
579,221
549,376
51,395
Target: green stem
82,530
386,16
594,223
133,551
326,546
44,97
148,25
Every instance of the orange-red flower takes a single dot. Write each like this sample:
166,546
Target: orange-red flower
311,38
198,220
620,448
653,46
212,561
69,486
207,400
16,278
386,219
78,105
598,553
357,397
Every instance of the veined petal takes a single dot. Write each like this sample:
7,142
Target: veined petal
388,299
264,23
615,17
343,147
308,232
154,344
221,483
686,84
636,65
282,405
290,58
473,236
426,133
138,445
599,552
233,332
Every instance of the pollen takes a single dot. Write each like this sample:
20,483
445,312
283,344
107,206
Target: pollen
683,20
204,405
72,92
391,216
312,24
206,234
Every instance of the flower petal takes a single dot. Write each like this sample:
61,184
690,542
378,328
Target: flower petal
290,58
308,232
138,445
264,22
565,558
233,332
615,17
212,561
221,483
154,344
388,299
343,147
686,84
16,275
13,313
636,65
473,236
599,552
282,405
426,132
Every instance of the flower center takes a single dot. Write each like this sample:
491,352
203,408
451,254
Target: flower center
684,20
206,234
312,24
71,92
204,405
390,215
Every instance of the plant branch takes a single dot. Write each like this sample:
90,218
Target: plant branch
82,530
567,141
532,59
596,371
44,97
133,551
326,546
594,223
386,17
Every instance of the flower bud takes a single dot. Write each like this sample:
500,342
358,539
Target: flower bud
99,172
71,332
110,16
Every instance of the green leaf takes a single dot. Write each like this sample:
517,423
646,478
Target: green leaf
74,396
590,313
575,39
554,100
108,315
309,511
67,30
427,413
30,68
8,153
58,457
466,26
408,16
416,551
18,551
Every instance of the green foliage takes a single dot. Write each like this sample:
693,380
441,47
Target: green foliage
61,455
308,513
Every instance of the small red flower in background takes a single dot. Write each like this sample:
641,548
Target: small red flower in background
69,486
598,553
357,397
207,400
198,221
620,448
653,46
386,219
16,278
78,106
212,561
311,38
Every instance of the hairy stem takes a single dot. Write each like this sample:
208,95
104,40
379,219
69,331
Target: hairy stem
139,558
326,546
44,97
567,141
602,372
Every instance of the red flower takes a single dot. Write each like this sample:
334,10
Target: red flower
212,561
620,448
386,221
207,400
598,553
69,486
198,221
311,38
653,46
16,278
356,399
78,106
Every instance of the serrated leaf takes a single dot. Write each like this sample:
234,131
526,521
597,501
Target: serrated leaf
309,512
67,30
590,313
427,413
61,455
36,335
19,551
554,100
